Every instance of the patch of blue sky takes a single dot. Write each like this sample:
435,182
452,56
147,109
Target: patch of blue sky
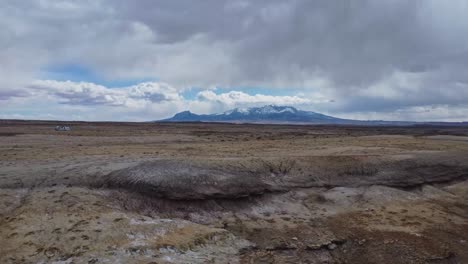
191,93
81,73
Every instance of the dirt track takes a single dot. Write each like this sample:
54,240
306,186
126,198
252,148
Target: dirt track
201,193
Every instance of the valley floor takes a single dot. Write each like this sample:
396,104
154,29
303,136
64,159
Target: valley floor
226,193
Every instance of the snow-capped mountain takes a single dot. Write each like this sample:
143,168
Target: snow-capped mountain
264,114
271,114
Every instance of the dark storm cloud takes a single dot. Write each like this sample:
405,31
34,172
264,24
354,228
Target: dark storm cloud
354,43
4,95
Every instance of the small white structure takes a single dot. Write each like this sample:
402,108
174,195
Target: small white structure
62,128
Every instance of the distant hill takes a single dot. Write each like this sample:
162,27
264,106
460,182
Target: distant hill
271,114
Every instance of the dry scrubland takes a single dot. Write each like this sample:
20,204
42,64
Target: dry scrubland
218,193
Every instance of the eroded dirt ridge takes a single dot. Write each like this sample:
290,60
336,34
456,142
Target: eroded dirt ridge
197,193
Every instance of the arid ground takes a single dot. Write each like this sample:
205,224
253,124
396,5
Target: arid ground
227,193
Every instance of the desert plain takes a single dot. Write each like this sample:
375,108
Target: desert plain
232,193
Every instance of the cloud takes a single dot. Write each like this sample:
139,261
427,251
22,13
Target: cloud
208,101
406,89
234,98
83,93
437,113
367,56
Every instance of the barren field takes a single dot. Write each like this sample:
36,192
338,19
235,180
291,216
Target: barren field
226,193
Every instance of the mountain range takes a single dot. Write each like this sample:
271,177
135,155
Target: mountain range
272,114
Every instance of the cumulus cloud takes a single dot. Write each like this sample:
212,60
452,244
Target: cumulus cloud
234,98
210,102
367,56
66,100
83,93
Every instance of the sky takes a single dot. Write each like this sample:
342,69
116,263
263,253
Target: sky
121,60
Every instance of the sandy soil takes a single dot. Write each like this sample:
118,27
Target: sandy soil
220,193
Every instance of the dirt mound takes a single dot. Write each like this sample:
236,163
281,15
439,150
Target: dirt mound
177,179
235,178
